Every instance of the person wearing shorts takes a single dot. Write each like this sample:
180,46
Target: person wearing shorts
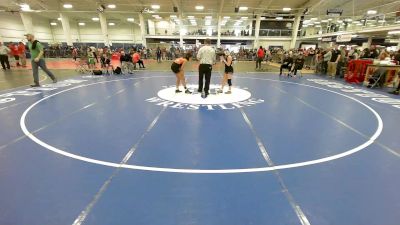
91,60
178,68
227,78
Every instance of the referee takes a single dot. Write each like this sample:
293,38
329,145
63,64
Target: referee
206,55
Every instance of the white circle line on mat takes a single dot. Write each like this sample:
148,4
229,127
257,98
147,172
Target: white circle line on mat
204,171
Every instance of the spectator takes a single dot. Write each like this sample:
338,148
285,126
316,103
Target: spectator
158,52
126,62
4,51
327,59
260,57
22,53
287,63
297,65
14,51
332,64
136,59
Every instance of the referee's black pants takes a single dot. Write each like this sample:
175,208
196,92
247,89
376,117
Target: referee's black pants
205,71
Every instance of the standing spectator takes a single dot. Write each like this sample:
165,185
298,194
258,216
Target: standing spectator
206,56
91,58
74,53
341,61
373,54
158,52
332,64
36,49
327,59
4,51
22,53
397,57
260,57
14,51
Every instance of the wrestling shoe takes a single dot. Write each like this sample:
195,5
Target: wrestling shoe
178,91
188,92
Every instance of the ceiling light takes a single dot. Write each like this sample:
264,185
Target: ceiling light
314,18
371,12
208,17
25,7
81,24
263,17
286,9
111,6
279,18
111,24
190,17
53,24
227,17
244,17
130,19
381,21
318,26
324,21
59,18
317,22
155,6
348,20
243,8
173,16
340,21
155,16
394,32
67,6
330,19
199,7
95,19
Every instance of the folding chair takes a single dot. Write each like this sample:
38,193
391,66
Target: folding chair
377,78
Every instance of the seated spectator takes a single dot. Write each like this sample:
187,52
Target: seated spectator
298,64
136,59
287,63
126,62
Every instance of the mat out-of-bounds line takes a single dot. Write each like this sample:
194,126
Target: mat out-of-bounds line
206,171
296,207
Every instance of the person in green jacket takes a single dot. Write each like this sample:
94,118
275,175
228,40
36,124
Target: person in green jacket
36,49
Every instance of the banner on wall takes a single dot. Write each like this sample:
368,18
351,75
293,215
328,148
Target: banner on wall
336,12
343,38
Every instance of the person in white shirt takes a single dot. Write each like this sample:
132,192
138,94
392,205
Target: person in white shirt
206,56
4,51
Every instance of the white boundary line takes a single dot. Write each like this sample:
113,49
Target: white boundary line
201,171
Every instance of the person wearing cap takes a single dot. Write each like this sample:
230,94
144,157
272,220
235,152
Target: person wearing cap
36,49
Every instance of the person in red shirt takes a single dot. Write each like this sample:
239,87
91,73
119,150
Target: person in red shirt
21,52
260,57
14,52
136,59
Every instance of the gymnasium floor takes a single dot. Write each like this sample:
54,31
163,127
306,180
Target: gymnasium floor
123,150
